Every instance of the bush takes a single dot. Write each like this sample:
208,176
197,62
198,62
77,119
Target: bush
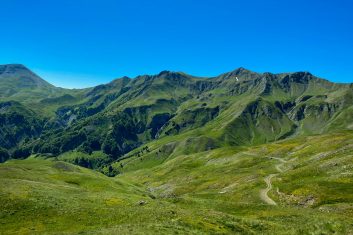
21,153
85,148
110,171
72,140
4,155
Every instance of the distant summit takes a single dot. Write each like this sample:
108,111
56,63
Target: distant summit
11,68
16,80
244,73
21,77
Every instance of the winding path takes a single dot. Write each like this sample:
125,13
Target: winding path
264,192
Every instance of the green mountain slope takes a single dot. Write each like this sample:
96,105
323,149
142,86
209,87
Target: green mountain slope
18,124
221,191
240,153
18,83
234,109
16,79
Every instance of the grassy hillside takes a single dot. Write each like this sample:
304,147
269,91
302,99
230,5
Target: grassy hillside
234,109
218,191
18,83
309,181
240,153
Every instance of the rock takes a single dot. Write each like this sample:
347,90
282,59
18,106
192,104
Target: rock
142,202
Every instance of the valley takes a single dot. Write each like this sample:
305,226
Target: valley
240,153
216,191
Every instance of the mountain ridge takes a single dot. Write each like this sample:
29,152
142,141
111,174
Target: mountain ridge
242,152
236,108
15,68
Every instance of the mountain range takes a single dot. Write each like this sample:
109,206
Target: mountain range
234,109
198,144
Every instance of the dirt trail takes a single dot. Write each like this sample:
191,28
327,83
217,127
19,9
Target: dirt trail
264,192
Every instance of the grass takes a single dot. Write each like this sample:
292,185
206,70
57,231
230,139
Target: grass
206,179
212,192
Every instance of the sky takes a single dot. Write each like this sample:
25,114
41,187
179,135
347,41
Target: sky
82,43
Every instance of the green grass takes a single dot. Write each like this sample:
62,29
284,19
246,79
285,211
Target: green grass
205,177
211,192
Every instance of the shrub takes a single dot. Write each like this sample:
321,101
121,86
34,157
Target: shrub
4,155
21,153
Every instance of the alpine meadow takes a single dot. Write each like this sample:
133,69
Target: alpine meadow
166,117
239,153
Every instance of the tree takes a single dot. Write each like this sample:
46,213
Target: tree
73,140
21,153
95,144
111,147
4,155
85,148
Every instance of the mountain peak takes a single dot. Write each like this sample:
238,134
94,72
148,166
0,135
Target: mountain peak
18,76
12,68
240,73
167,72
241,70
302,73
298,73
171,74
164,72
13,65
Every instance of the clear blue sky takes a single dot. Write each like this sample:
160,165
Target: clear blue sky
80,43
